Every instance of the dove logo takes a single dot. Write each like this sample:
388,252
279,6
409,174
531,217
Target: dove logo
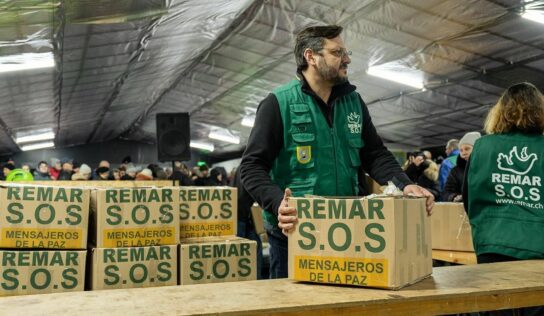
518,163
514,185
354,122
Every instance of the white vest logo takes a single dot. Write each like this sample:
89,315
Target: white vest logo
354,123
515,161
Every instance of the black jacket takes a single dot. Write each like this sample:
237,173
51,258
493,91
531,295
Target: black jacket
427,177
245,201
454,184
266,141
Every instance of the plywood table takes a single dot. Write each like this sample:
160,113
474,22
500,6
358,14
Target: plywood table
459,257
450,290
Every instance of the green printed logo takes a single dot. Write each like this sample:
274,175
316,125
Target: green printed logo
205,211
220,269
138,273
340,237
44,214
139,215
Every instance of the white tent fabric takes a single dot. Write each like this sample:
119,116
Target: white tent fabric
118,63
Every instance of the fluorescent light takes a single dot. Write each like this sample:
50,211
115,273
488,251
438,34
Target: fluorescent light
534,15
225,136
35,137
26,61
37,146
202,145
397,72
248,120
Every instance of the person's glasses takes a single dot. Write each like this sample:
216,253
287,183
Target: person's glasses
339,52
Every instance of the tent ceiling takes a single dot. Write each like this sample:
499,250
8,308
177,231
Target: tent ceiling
118,63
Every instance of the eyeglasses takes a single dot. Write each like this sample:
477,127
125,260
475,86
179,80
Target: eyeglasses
339,52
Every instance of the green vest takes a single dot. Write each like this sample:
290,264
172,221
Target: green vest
315,158
505,205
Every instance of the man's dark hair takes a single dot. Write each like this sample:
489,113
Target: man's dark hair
314,39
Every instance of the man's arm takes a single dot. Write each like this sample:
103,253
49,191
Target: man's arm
376,160
264,145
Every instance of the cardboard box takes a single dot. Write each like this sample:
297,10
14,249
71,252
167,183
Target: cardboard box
217,259
382,242
43,217
133,267
451,228
26,272
208,211
135,217
373,186
257,216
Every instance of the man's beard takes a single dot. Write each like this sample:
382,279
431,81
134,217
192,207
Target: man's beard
332,74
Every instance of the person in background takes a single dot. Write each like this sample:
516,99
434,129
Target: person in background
131,173
195,174
105,164
55,168
452,151
204,177
168,172
75,166
26,167
11,162
428,155
7,168
310,136
116,174
66,171
154,168
161,174
411,165
428,177
42,172
182,174
145,174
102,173
506,216
84,173
122,171
216,177
454,185
246,226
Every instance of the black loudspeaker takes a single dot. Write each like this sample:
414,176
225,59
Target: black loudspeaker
173,137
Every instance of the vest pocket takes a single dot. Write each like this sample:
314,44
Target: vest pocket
355,145
300,187
302,157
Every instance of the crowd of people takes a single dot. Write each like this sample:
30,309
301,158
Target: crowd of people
442,177
68,169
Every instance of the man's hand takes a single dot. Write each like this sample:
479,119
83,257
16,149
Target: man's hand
416,190
287,216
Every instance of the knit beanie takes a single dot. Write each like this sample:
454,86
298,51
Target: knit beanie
470,138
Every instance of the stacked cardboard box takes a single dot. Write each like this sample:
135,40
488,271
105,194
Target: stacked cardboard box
208,211
210,251
451,228
382,242
217,259
135,234
43,237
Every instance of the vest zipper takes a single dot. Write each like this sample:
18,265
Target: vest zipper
335,162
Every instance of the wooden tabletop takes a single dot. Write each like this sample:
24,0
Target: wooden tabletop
460,257
450,290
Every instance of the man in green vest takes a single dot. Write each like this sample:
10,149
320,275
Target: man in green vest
312,136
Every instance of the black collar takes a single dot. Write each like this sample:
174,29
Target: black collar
338,90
